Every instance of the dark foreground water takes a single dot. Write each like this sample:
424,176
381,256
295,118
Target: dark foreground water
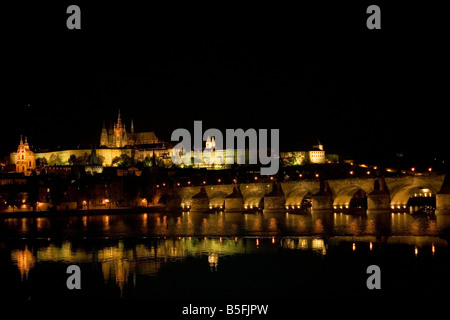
193,256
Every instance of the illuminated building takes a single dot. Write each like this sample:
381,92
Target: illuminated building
24,158
315,155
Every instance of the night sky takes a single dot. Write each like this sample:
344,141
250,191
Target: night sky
312,72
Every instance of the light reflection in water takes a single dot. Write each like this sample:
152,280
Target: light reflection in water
121,262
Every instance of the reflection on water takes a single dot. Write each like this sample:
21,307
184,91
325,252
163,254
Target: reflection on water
221,224
121,249
121,264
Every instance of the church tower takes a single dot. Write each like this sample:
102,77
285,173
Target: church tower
26,160
120,133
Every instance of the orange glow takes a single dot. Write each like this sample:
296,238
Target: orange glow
354,246
273,239
257,242
370,246
433,248
416,251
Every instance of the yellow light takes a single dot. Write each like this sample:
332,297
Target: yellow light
351,172
416,250
257,242
354,246
413,169
429,169
433,249
368,172
370,246
256,178
271,178
317,175
273,239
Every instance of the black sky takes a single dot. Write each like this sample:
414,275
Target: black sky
311,71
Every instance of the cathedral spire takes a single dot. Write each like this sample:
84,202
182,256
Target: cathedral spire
21,141
119,119
132,127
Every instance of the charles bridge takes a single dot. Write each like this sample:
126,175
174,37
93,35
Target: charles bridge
373,193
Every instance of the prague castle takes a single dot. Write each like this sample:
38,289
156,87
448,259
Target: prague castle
117,144
114,144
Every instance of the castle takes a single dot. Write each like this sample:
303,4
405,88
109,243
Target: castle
114,144
117,143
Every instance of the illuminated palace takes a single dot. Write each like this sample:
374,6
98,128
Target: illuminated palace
114,144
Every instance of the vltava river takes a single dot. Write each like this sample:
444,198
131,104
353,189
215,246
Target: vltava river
218,256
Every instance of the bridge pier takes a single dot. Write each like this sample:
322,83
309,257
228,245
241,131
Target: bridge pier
379,198
235,201
443,198
442,203
323,200
200,201
275,200
378,202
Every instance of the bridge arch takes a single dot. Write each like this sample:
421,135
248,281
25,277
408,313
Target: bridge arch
350,196
403,197
186,199
217,199
296,197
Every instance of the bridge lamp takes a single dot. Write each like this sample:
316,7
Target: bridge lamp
351,172
317,175
189,182
204,182
368,172
429,169
219,180
413,169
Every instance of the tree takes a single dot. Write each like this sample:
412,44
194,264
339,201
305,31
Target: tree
123,161
41,162
55,160
73,160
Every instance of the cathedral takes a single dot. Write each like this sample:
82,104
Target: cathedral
118,137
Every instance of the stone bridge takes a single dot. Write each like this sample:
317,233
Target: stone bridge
376,193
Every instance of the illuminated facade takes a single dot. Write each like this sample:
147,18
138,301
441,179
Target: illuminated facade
316,155
24,158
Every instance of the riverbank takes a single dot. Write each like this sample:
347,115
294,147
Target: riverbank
80,212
